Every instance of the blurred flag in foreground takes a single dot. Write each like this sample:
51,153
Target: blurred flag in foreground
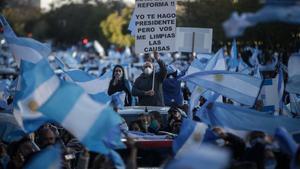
49,158
74,109
202,157
191,133
239,118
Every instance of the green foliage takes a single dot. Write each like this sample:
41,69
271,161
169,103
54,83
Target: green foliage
71,23
19,16
115,26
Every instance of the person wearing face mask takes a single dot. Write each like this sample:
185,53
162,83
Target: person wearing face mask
119,83
149,95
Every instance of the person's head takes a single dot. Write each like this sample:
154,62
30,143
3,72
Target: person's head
156,120
144,122
118,72
134,126
256,137
174,113
148,68
175,126
45,137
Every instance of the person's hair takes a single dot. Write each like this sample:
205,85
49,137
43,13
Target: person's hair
133,123
121,67
256,134
156,115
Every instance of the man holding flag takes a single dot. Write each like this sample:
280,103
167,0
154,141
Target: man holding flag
148,86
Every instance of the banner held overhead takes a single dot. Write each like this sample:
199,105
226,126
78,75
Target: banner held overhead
155,23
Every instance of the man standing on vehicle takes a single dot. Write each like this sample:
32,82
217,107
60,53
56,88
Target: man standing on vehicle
148,86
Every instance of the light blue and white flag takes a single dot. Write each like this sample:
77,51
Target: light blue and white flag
217,62
29,52
240,118
86,119
118,99
202,157
37,83
95,87
69,105
280,88
191,133
24,48
270,95
116,159
239,87
236,25
294,104
49,158
10,130
294,74
234,60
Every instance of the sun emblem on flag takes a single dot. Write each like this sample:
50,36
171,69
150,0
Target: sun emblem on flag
33,105
218,77
197,137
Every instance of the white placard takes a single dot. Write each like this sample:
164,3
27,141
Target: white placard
202,39
155,26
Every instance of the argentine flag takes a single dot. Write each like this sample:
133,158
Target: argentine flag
69,105
191,133
239,87
234,61
24,48
95,87
239,118
39,87
270,94
29,52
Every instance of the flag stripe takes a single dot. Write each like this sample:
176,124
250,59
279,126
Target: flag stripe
51,109
95,86
243,86
199,128
79,110
44,91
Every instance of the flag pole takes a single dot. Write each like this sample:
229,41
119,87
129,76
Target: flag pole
153,80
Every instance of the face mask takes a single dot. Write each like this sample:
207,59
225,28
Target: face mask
154,125
148,71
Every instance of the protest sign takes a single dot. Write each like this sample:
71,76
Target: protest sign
155,23
197,40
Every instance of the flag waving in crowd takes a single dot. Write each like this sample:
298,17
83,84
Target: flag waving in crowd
183,99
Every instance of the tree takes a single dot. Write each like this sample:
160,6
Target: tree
115,26
19,16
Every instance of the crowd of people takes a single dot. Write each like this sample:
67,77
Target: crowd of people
159,84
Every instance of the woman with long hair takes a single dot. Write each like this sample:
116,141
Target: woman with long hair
119,83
